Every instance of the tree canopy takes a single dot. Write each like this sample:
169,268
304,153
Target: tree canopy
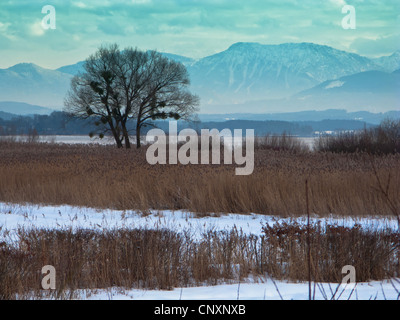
118,86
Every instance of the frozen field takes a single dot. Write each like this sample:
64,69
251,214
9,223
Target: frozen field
30,216
268,290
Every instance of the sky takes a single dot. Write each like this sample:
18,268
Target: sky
192,28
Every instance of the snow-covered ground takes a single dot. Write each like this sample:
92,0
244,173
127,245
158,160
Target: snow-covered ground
269,290
13,216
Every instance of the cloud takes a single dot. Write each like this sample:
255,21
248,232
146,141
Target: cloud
80,4
111,27
4,27
36,29
383,45
338,3
141,1
194,28
6,31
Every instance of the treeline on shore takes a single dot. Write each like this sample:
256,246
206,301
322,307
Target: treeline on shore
61,123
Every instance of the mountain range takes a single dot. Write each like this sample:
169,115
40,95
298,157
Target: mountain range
21,108
250,71
248,77
301,116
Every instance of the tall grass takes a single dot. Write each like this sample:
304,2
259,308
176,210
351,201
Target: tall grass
346,184
104,177
385,139
373,253
164,259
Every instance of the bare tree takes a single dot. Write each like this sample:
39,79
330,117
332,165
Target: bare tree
154,87
94,94
118,86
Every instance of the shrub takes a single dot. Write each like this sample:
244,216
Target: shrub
384,139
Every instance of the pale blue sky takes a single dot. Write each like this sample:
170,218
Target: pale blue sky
194,28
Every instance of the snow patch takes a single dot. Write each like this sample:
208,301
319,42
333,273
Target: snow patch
14,216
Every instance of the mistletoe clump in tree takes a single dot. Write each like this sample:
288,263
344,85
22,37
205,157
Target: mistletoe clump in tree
117,87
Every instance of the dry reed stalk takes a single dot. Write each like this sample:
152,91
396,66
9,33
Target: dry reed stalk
163,259
103,177
308,241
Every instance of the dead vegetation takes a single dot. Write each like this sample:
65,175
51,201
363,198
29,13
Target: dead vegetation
105,177
164,259
343,184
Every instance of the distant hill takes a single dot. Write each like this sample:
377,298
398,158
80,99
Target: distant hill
182,59
373,91
263,127
20,108
312,115
370,90
29,83
6,115
59,123
389,63
378,82
72,69
396,71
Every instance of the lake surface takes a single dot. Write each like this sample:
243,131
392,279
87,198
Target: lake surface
85,139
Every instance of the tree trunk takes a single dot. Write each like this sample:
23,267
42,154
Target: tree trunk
126,136
115,135
138,145
127,142
118,141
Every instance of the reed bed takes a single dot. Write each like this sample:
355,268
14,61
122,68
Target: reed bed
343,184
164,259
384,139
105,177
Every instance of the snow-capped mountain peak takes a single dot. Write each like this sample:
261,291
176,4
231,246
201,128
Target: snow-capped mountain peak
251,71
246,71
